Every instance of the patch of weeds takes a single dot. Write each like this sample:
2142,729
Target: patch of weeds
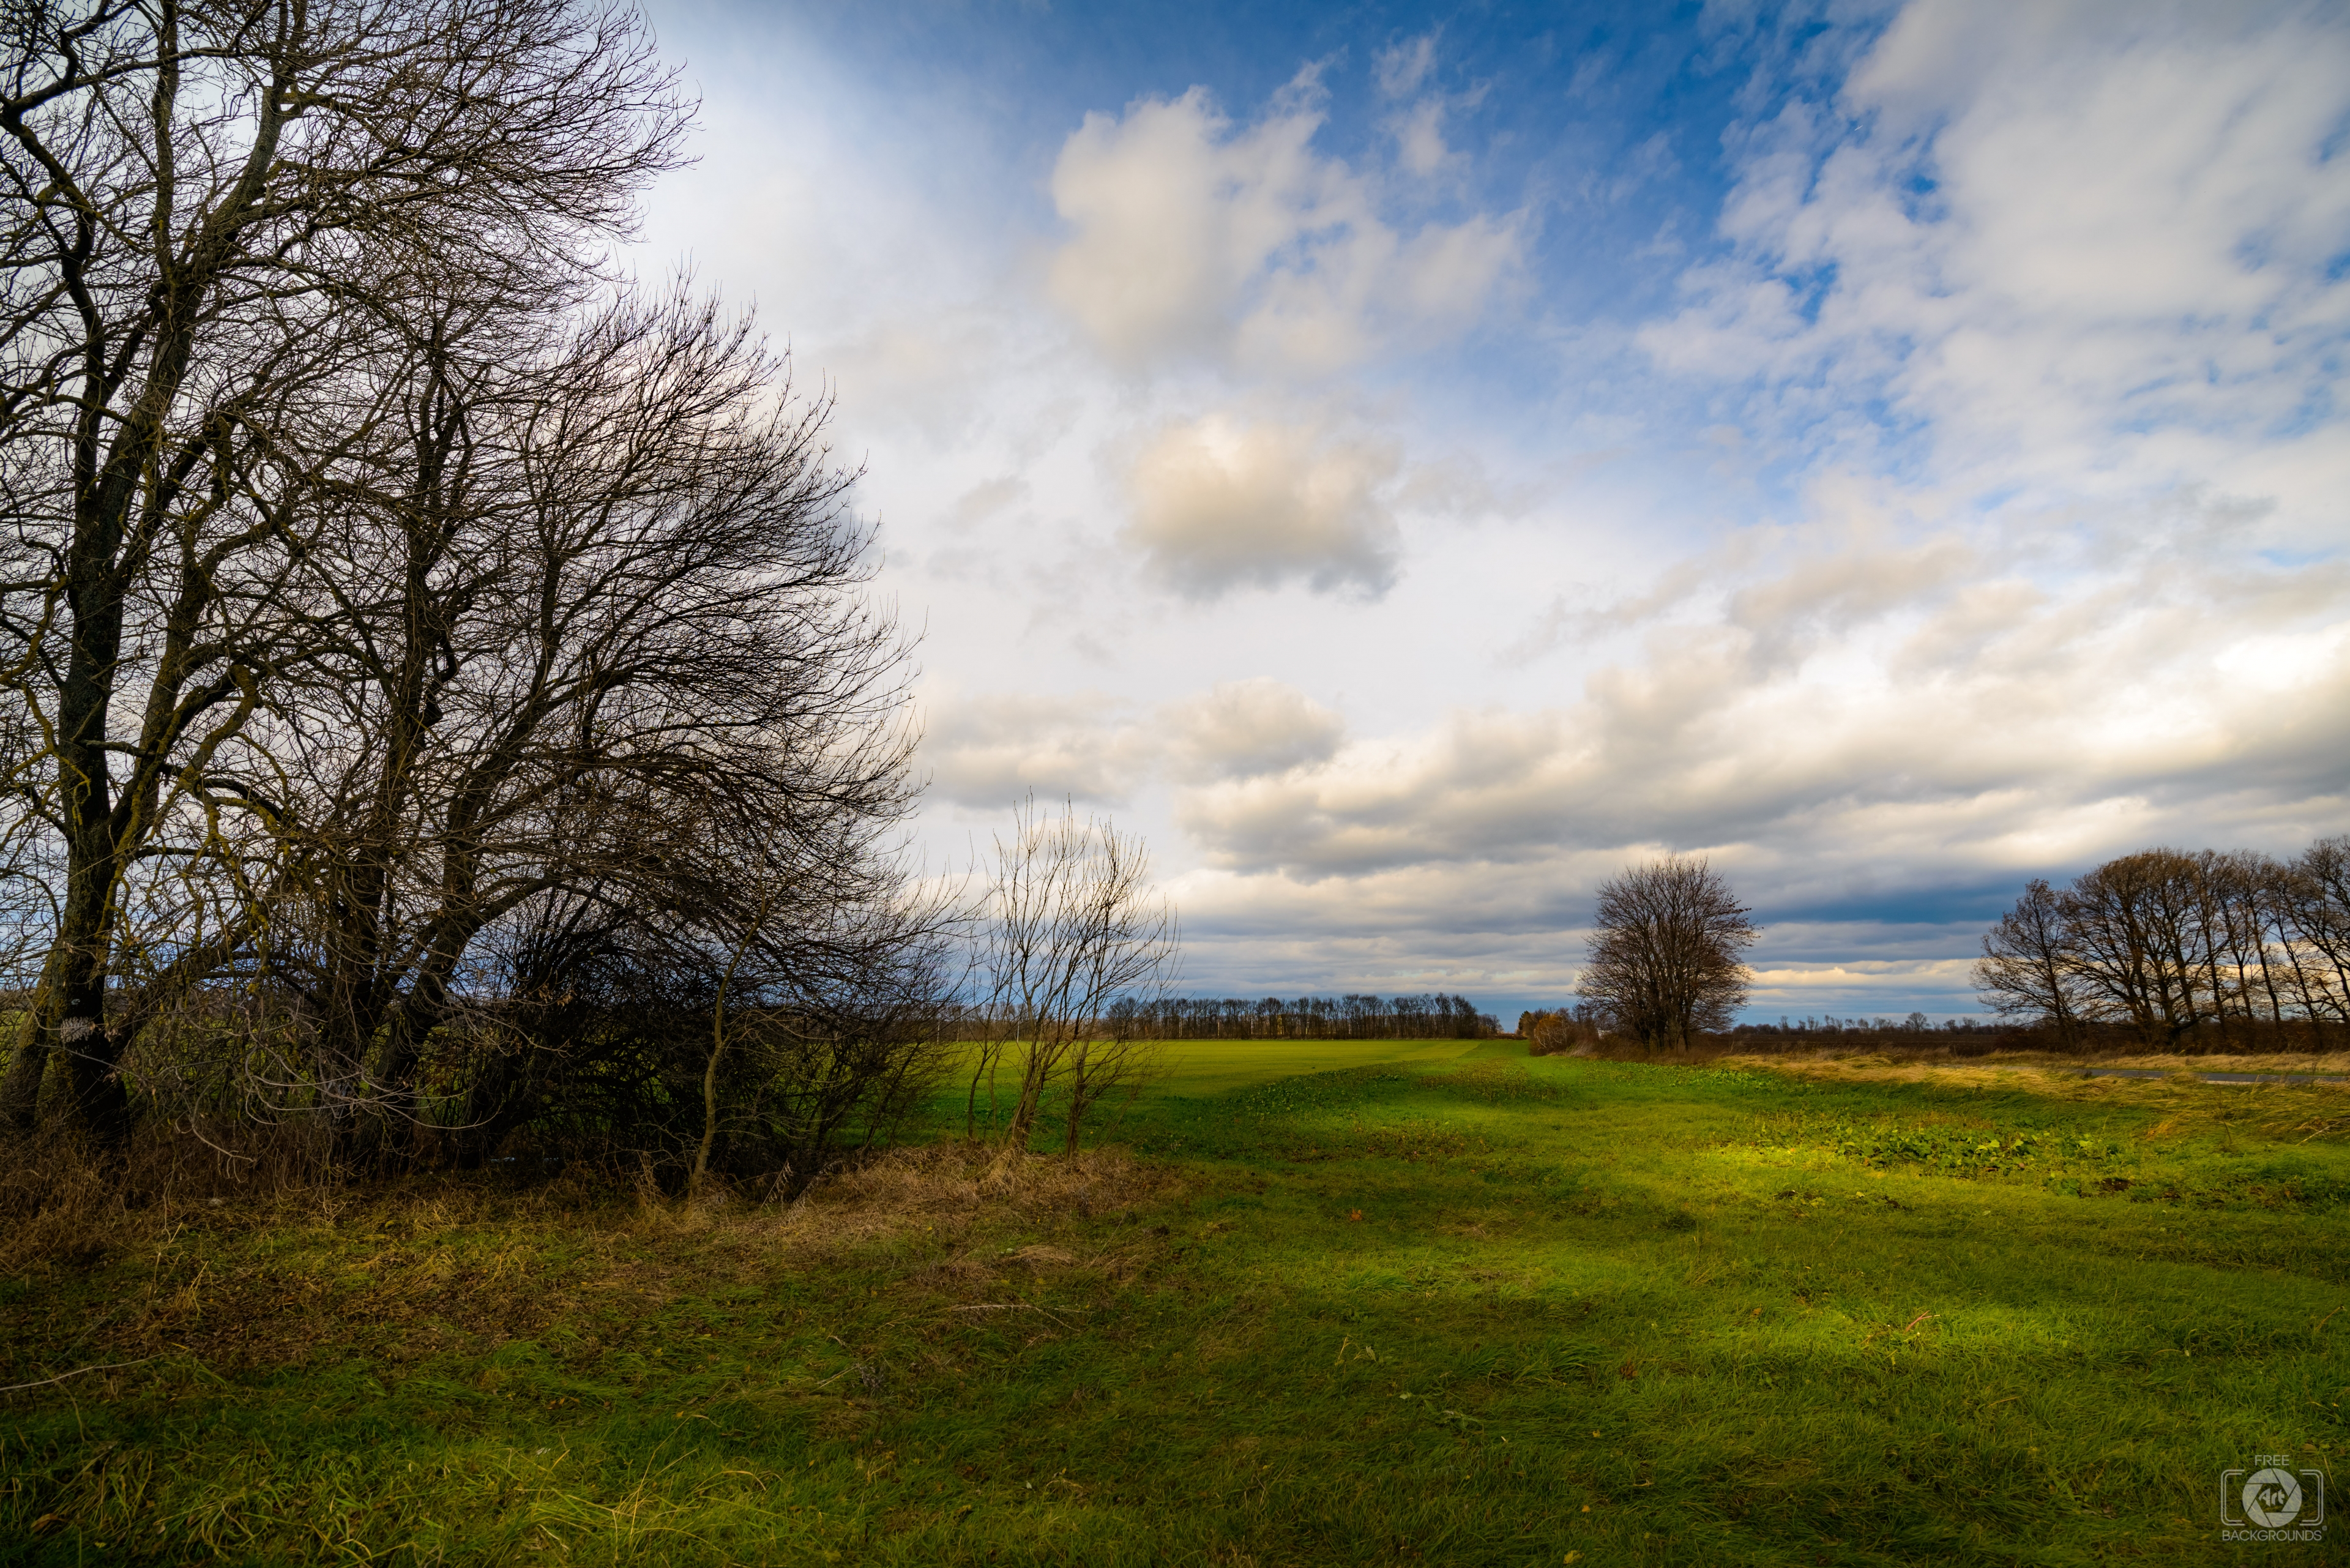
1943,1147
1495,1083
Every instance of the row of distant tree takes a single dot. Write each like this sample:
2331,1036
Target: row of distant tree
1829,1023
2181,949
1552,1032
1435,1016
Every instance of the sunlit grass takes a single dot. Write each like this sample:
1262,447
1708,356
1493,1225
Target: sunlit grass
1358,1302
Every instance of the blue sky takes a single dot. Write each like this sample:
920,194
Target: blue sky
1410,462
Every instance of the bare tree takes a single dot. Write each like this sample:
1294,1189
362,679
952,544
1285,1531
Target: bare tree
2028,967
1667,954
2310,898
1073,927
2138,946
2179,947
449,646
621,657
2241,884
193,192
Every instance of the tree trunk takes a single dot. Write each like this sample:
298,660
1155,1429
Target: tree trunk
20,1090
74,1018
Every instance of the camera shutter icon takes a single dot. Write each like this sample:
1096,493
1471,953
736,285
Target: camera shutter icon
2272,1498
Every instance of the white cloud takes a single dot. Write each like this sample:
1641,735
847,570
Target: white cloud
1417,126
987,499
1419,138
2083,249
1193,239
1219,502
1245,729
1903,698
2029,325
1400,69
988,751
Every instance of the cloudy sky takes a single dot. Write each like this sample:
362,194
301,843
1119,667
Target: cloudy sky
1410,462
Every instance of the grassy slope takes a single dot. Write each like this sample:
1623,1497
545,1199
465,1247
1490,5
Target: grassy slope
1448,1308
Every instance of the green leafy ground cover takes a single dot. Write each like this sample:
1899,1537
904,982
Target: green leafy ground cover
1342,1304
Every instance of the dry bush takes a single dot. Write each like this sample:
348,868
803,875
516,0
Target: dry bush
55,1205
63,1202
1557,1035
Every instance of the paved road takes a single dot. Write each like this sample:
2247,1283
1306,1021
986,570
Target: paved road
2215,1077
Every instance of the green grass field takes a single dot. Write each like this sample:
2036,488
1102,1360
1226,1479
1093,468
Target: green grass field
1331,1304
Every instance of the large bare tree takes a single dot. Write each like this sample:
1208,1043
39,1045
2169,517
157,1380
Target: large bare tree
191,196
2141,943
1668,953
618,652
2311,905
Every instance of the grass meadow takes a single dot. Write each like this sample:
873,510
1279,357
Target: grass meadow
1319,1302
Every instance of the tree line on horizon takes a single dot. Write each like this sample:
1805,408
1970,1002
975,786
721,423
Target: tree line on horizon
2179,950
1433,1016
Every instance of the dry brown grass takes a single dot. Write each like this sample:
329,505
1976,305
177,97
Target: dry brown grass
2293,1048
265,1275
956,1182
61,1200
939,1219
2330,1062
2302,1111
2025,1069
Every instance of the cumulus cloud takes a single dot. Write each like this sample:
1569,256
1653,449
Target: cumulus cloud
1245,729
2088,246
987,751
1192,237
1944,706
1220,502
